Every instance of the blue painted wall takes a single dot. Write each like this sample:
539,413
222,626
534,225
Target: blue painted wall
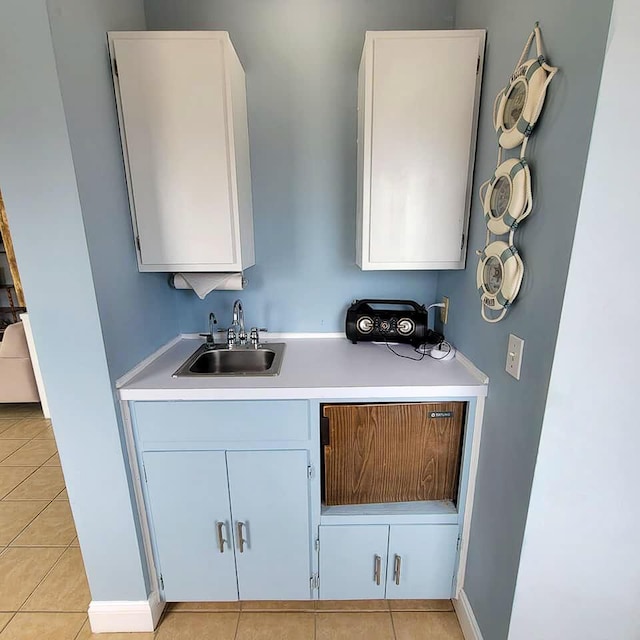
575,33
137,311
61,252
301,61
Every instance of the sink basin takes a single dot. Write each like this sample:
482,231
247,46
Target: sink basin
245,360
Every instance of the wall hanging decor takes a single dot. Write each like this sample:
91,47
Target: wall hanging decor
499,276
507,198
518,106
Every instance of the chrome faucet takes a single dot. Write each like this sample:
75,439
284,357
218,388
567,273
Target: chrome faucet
238,322
210,337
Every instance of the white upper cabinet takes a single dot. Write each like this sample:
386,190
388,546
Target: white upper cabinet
418,99
182,108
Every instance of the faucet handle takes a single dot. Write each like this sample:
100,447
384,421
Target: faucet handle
231,337
254,337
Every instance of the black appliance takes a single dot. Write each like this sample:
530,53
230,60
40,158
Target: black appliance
387,320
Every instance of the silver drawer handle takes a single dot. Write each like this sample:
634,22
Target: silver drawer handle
240,541
396,569
221,540
376,569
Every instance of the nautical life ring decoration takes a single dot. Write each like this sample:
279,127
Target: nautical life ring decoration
499,277
518,106
507,197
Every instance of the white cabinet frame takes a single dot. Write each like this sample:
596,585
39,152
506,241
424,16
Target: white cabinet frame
418,104
182,109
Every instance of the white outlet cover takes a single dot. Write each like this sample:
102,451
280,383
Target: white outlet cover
515,349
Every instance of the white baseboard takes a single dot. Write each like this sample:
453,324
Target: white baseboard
466,617
126,616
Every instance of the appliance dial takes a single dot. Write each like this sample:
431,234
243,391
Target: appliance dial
406,326
365,325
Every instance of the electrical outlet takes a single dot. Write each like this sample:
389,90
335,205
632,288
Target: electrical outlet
444,311
514,356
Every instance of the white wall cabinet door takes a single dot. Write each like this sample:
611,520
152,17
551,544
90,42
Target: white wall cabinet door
353,562
183,120
421,561
418,101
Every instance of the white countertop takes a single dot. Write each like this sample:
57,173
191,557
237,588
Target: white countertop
318,367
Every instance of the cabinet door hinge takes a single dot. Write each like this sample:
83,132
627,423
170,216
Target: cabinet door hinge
461,244
138,243
458,543
478,66
310,472
144,473
161,582
115,67
317,544
315,582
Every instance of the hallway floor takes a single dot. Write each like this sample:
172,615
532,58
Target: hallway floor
44,593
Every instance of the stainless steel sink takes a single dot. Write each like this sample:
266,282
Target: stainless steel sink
244,360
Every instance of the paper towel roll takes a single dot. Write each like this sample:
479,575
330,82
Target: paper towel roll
205,283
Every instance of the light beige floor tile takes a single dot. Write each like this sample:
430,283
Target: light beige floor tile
12,410
32,454
201,606
11,477
44,484
53,461
75,542
276,626
53,527
4,619
420,605
64,589
63,495
426,626
352,605
21,570
16,515
43,626
47,434
192,626
354,626
85,634
7,447
278,605
25,429
5,423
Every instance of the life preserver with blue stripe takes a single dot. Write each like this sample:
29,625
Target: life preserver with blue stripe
518,106
507,197
499,277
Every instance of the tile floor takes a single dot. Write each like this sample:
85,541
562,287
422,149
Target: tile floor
44,593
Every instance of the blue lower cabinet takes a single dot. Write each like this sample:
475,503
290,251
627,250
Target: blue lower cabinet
191,520
229,525
353,562
270,509
421,561
359,562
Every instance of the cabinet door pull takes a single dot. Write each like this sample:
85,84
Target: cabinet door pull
240,540
396,568
221,540
376,569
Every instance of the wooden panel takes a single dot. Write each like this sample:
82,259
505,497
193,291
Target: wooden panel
270,495
348,562
392,452
11,256
188,497
426,557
